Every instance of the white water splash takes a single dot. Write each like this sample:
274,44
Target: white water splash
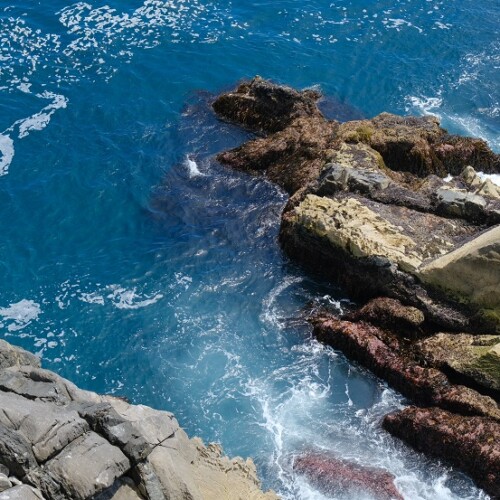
192,167
7,150
123,298
495,178
467,124
20,314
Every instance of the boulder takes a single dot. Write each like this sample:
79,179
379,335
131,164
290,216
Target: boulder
15,356
122,489
15,452
5,484
473,357
470,443
262,106
21,492
87,466
48,428
339,477
470,273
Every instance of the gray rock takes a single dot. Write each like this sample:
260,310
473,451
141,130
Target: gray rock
22,492
87,466
4,470
123,489
338,177
15,356
104,419
15,452
457,203
47,427
5,484
15,481
36,383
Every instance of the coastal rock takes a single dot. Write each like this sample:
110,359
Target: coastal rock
339,477
481,187
69,443
14,356
262,106
470,443
5,484
87,466
419,145
292,157
15,452
471,273
390,359
476,357
392,315
21,492
47,428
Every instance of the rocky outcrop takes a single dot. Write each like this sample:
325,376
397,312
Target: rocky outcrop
367,205
470,273
474,357
390,358
341,478
373,208
59,442
470,443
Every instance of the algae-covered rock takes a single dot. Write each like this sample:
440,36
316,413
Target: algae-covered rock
474,356
419,145
471,273
263,106
470,443
355,228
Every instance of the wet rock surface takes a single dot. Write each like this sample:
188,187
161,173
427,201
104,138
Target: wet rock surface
470,443
58,442
373,207
339,477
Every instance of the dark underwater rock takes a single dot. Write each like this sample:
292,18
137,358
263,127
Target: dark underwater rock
470,443
340,477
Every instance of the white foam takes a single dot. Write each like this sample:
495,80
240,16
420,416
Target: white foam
40,120
7,150
123,298
21,314
495,178
192,167
425,105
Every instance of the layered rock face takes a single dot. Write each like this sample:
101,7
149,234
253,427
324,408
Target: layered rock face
60,442
370,208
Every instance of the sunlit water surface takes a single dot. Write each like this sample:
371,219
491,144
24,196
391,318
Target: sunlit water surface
135,265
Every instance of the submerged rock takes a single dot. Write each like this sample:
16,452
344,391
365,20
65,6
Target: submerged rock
59,442
470,443
339,477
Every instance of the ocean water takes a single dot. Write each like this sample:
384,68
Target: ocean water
135,265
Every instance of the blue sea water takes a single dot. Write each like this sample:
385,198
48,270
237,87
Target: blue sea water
135,265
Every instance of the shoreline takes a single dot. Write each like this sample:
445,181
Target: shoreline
370,207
